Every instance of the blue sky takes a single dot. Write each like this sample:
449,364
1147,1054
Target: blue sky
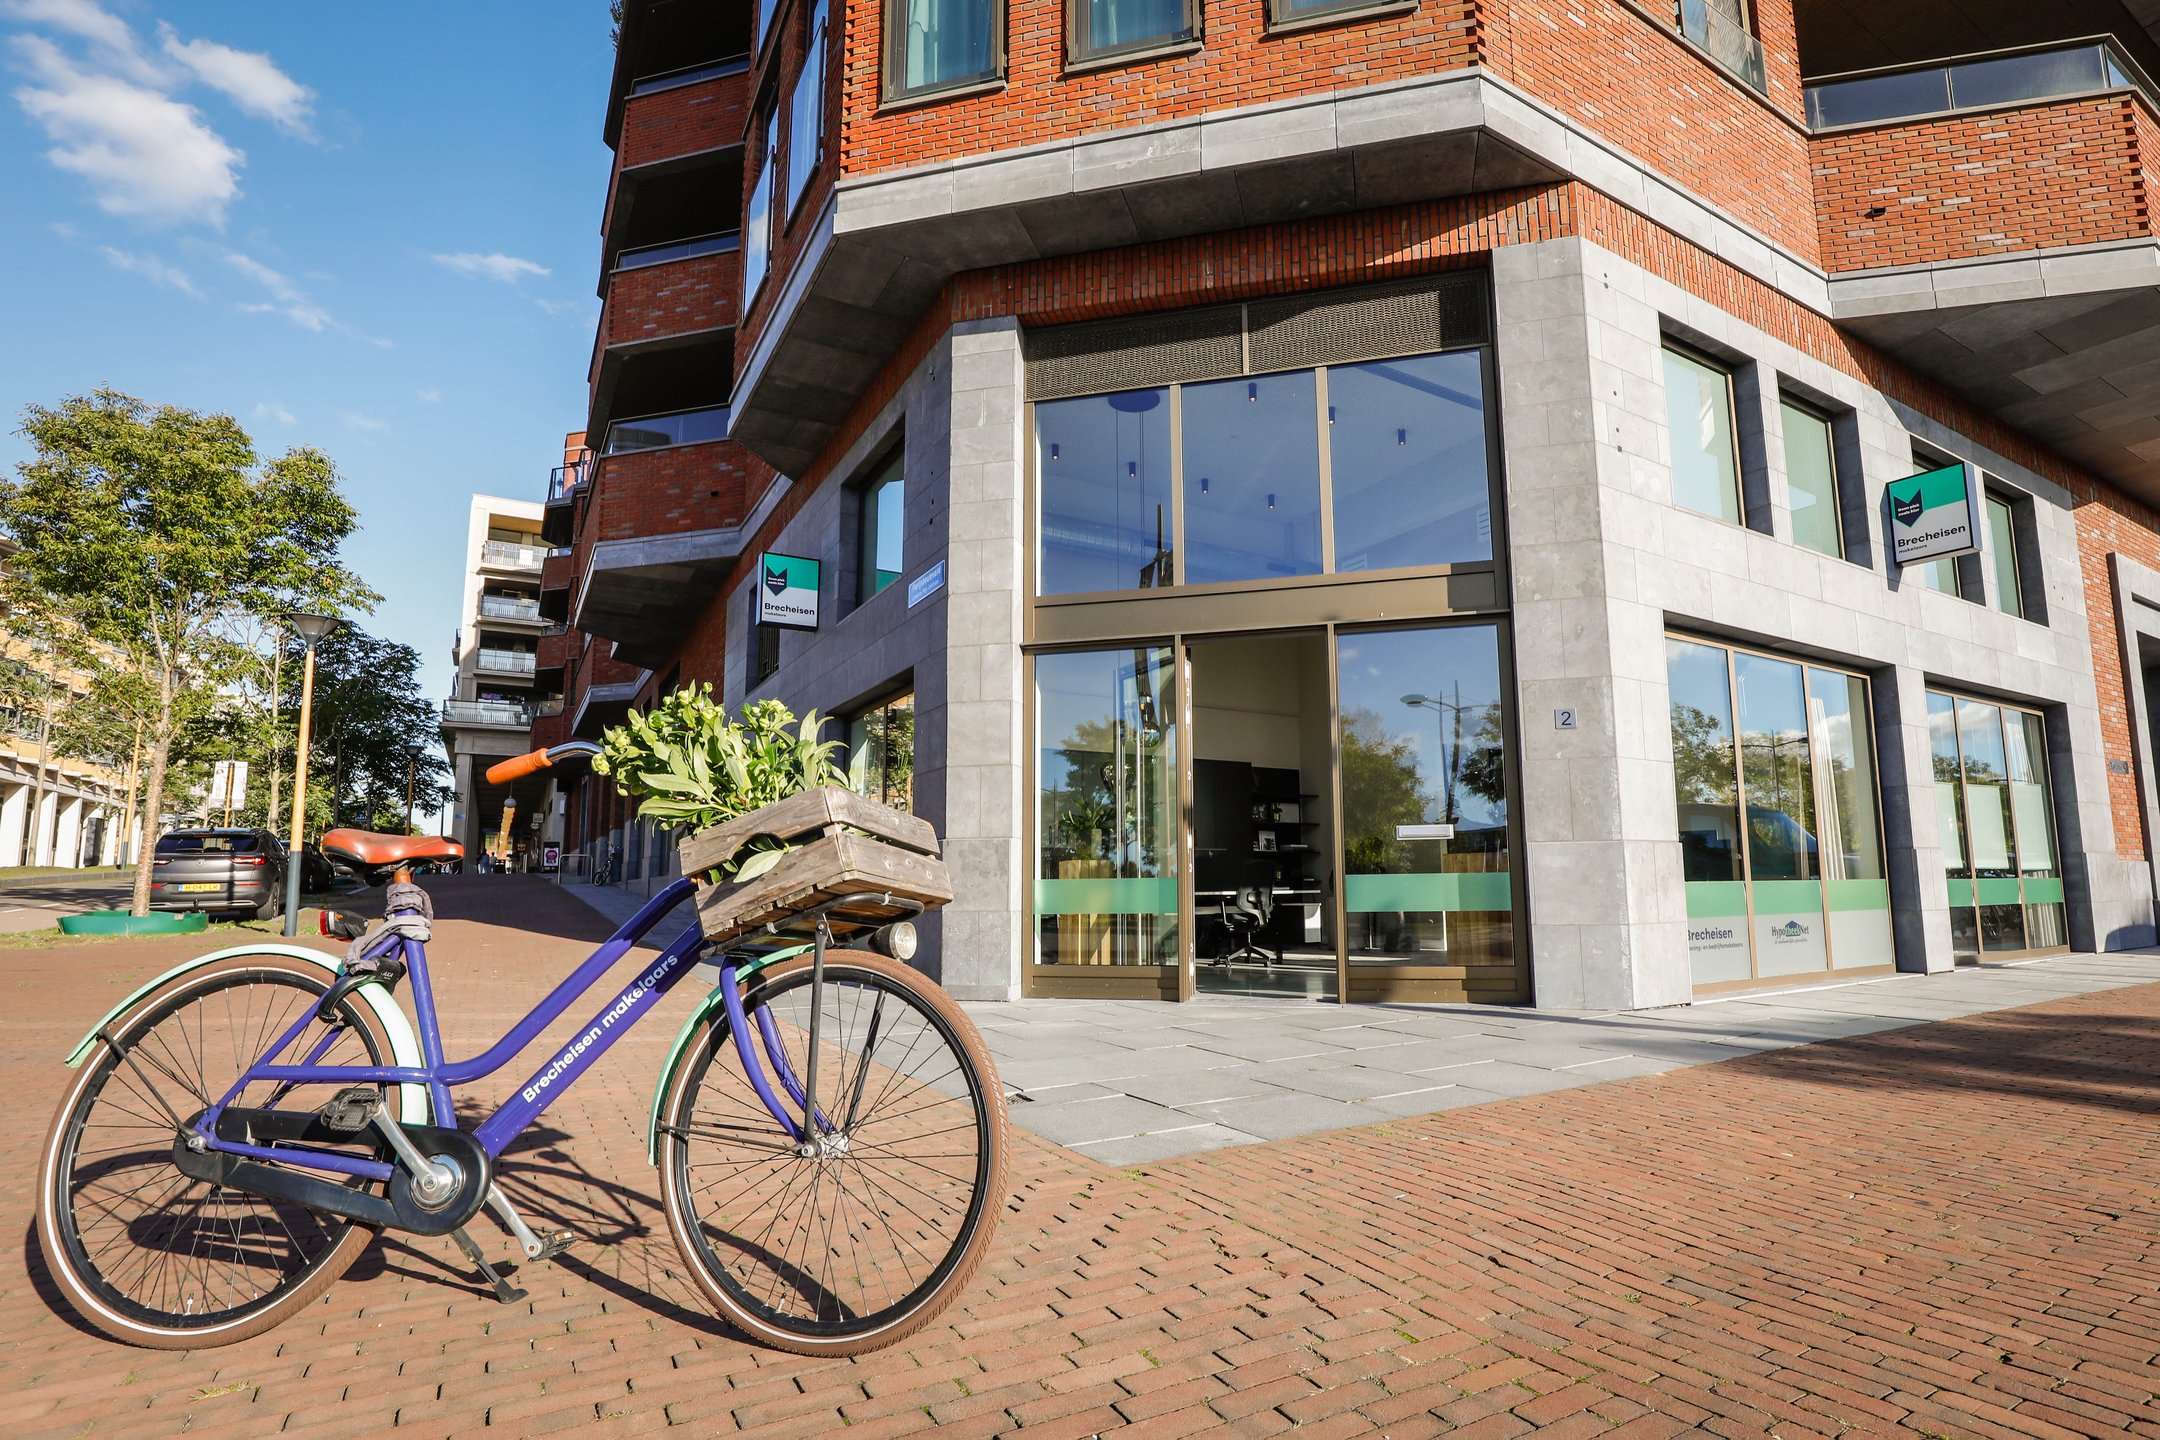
371,228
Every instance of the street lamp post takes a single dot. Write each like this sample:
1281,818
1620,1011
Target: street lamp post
311,628
1448,759
412,769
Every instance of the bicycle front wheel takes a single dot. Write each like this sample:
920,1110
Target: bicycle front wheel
146,1254
849,1241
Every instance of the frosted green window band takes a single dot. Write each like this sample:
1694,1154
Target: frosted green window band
1999,892
1715,899
1108,895
1788,897
2040,890
1382,894
1858,894
1961,894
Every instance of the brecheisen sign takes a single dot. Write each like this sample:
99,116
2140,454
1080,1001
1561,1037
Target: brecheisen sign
787,591
1933,514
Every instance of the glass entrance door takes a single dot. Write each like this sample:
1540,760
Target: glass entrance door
1998,828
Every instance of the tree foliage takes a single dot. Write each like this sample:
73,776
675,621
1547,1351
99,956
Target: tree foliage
156,526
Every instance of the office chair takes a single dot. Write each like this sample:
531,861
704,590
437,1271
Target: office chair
1250,909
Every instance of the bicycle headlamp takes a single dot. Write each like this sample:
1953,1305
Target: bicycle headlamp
896,940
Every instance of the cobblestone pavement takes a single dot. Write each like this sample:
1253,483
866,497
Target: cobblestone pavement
1945,1230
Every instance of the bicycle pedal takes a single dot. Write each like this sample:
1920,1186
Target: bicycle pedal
352,1109
554,1243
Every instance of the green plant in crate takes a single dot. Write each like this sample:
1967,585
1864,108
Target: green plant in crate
689,765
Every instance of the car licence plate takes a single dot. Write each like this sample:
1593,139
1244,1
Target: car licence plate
194,889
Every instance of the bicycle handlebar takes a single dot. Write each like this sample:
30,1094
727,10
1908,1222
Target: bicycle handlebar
503,772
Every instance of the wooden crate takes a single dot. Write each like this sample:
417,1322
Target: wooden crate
845,845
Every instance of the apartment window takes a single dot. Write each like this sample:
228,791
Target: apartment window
880,515
1099,29
882,741
1945,575
1291,12
757,216
763,659
2002,538
1705,451
806,110
934,45
1812,480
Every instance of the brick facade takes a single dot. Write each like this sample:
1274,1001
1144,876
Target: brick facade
671,490
687,119
681,297
2069,172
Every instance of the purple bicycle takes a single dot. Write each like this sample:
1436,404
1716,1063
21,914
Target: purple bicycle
829,1131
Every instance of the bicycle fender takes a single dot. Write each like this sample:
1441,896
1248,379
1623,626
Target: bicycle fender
404,1041
704,1008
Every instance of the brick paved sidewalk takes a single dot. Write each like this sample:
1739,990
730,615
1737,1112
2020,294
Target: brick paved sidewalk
1948,1230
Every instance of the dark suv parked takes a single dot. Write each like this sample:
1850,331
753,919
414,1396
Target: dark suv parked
219,870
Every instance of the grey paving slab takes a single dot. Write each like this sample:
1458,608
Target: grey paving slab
1501,1078
1262,1045
1203,1087
1111,1119
1351,1083
1279,1118
1166,1144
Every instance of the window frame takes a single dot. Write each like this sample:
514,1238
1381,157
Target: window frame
2030,598
1341,12
761,648
1829,421
1079,57
757,230
817,22
887,699
1671,345
889,466
893,88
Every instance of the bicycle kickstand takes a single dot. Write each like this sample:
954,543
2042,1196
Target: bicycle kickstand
504,1291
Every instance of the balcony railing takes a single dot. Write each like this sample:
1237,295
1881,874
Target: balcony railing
563,480
549,708
690,75
486,712
506,554
1974,82
1726,39
504,607
650,432
509,662
720,242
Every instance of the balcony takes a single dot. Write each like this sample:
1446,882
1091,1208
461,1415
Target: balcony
653,432
669,47
644,591
1721,34
669,298
565,484
503,662
505,607
557,574
2003,244
496,714
511,557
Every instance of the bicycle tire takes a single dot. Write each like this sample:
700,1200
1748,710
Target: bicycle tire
90,1278
744,1285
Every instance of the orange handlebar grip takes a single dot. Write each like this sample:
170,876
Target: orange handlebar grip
517,769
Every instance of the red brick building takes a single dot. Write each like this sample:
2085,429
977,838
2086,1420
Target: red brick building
1587,502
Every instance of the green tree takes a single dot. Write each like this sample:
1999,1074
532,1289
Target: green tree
1381,789
373,732
158,525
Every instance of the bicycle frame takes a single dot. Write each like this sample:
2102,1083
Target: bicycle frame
557,1074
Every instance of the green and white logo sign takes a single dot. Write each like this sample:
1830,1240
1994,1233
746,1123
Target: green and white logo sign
787,591
1932,515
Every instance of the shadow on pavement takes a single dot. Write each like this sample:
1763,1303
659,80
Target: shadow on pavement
515,902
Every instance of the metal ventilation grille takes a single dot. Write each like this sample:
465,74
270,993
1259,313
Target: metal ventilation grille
1408,317
1103,355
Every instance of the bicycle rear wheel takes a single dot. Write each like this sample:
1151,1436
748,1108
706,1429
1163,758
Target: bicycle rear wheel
145,1253
868,1235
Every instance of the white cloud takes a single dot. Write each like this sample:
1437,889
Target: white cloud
110,38
430,396
497,266
146,155
363,422
286,298
249,79
156,271
265,411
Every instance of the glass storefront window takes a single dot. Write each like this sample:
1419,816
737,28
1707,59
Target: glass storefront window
1998,827
1406,482
882,741
2002,554
1811,480
1406,444
1104,515
1798,888
1252,478
1705,457
1107,808
1423,746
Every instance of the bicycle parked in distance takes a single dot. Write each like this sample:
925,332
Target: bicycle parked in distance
829,1131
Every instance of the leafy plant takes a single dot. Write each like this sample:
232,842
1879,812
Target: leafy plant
688,764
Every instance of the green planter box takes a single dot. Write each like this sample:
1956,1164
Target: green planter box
119,922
